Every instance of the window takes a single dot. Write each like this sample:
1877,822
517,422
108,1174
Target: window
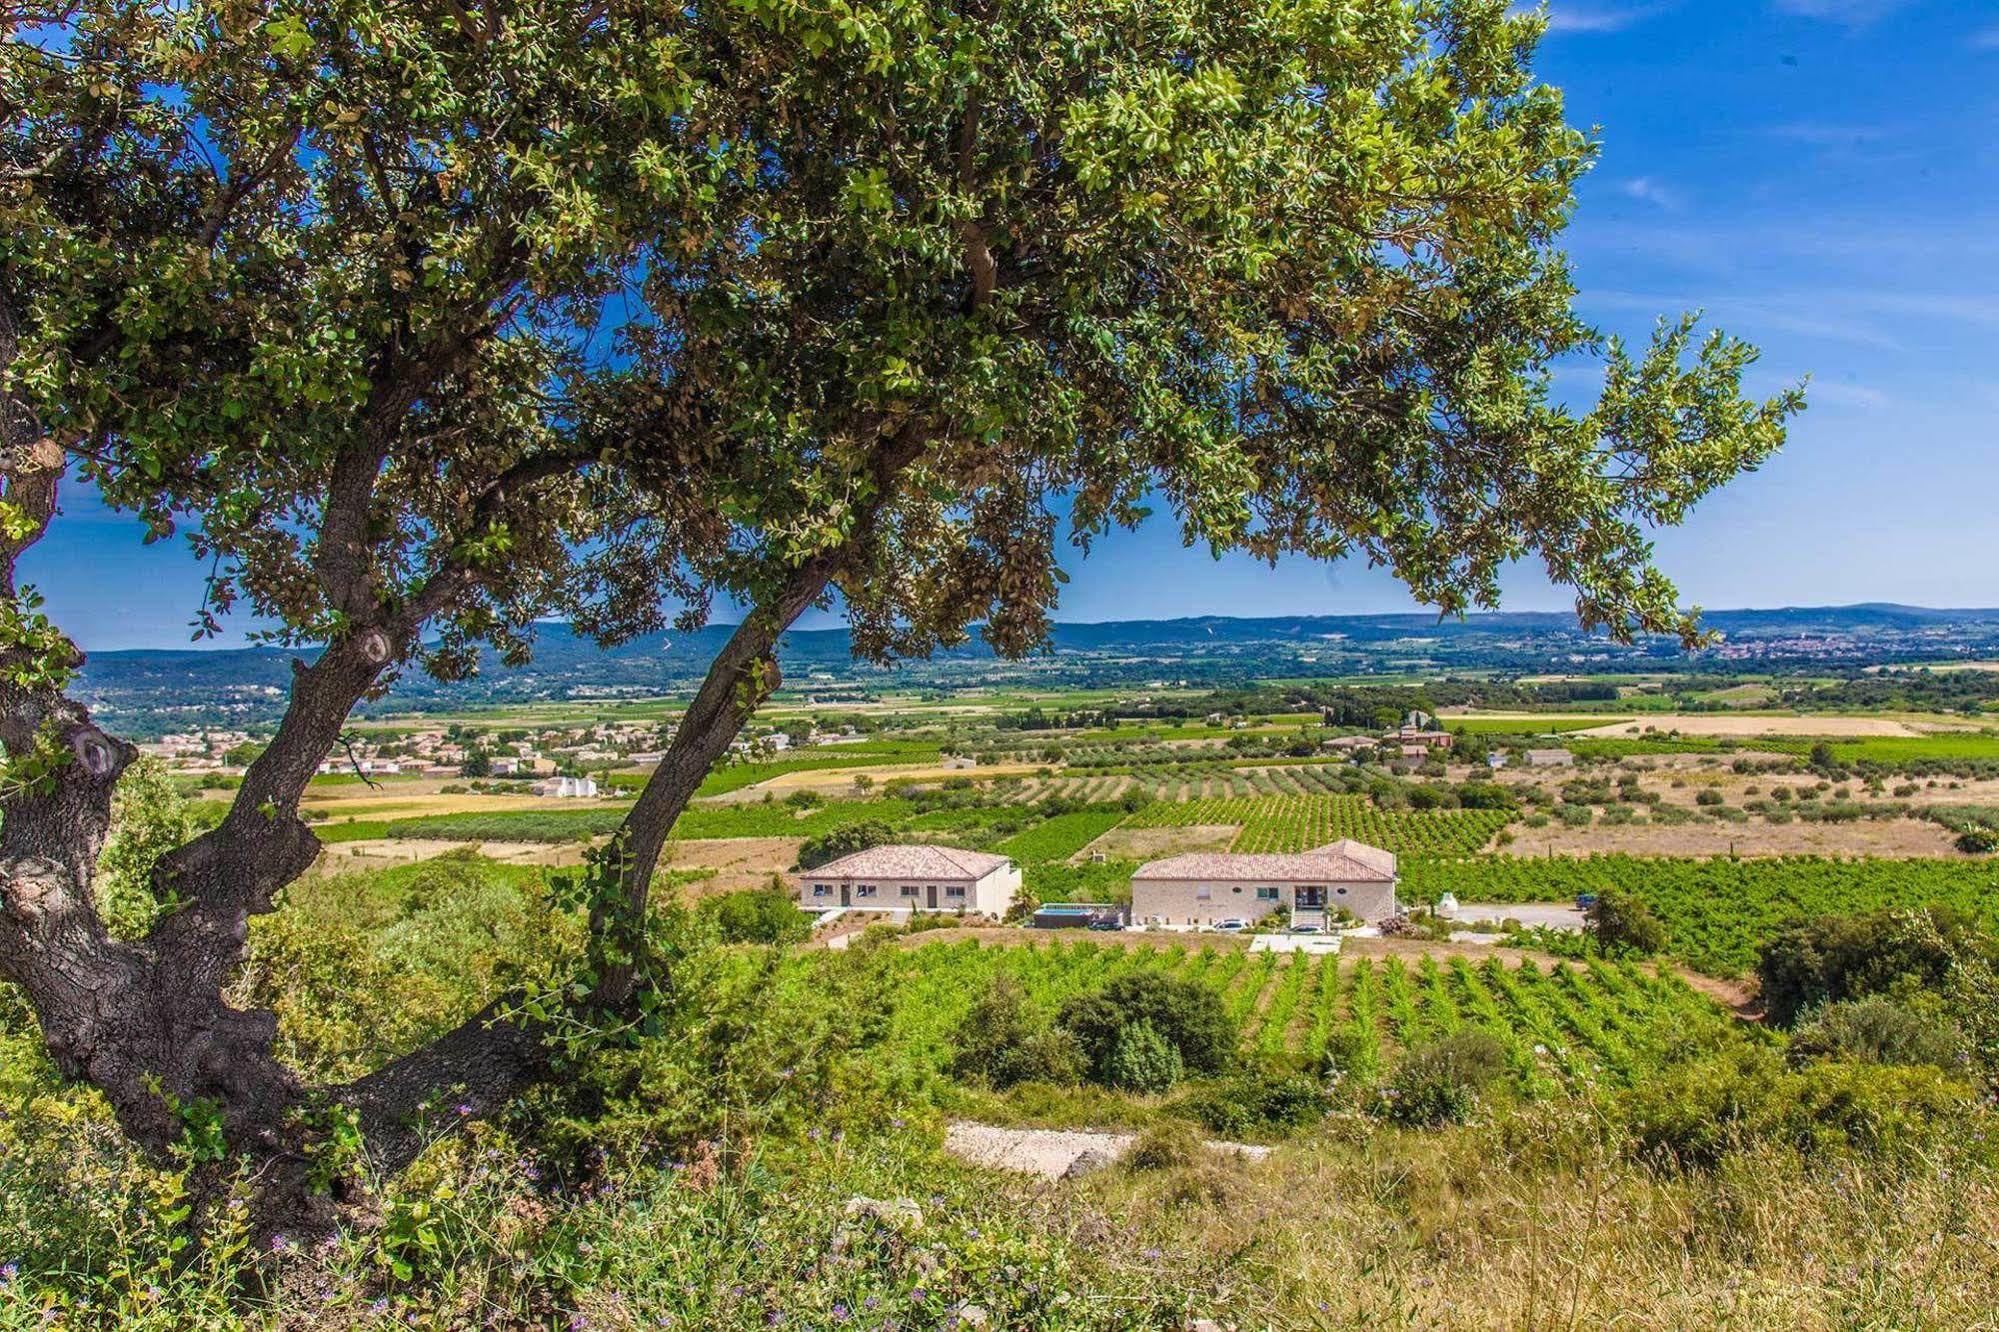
1203,894
822,890
1266,894
954,892
864,890
910,890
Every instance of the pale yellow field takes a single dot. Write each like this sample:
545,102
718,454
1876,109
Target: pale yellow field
1721,724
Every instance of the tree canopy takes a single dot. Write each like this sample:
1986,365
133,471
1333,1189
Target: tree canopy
422,321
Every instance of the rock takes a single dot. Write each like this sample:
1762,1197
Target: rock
900,1214
1088,1162
971,1315
1204,1325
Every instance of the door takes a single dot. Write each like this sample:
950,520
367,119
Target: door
846,895
1312,898
933,897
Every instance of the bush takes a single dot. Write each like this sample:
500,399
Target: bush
1258,1099
843,841
1622,923
1444,1083
1169,1145
1694,1114
1186,1015
759,915
1708,797
1881,1031
1002,1044
1141,1060
1810,963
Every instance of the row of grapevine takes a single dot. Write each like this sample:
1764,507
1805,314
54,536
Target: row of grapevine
1300,822
1602,1022
1716,912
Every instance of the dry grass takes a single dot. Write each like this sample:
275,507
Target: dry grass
1535,1225
1897,839
1151,843
1722,724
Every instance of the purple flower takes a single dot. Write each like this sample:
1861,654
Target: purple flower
9,1271
813,1134
279,1244
839,1313
464,1108
1150,1255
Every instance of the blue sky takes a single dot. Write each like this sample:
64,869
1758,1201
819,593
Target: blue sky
1819,176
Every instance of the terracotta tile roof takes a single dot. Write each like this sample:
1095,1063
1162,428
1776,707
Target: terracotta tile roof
909,861
1340,862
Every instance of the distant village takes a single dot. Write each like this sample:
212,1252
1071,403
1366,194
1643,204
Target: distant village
551,761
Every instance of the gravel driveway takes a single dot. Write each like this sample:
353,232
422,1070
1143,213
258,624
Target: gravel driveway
1555,915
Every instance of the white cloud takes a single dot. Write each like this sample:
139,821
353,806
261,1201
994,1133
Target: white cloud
1649,189
1834,393
1827,135
1852,12
1987,40
1588,17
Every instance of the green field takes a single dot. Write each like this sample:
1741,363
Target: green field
1716,911
1298,823
1600,1023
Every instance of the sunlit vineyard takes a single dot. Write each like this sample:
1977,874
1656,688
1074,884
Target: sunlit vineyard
1562,1025
1300,822
1716,911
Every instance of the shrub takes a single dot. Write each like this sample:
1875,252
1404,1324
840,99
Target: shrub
1708,797
1185,1014
1808,963
1258,1099
1002,1044
1168,1145
1622,923
1876,1030
1142,1060
1694,1114
1443,1083
758,915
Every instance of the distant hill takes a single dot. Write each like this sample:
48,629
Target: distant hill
149,691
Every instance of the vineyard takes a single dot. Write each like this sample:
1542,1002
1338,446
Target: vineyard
1602,1022
1716,911
1298,823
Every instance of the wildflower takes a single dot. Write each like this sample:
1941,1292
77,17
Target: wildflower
9,1272
279,1244
895,1123
1150,1255
577,1322
464,1108
839,1313
813,1134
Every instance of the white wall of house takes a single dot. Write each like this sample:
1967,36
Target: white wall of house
1203,902
990,894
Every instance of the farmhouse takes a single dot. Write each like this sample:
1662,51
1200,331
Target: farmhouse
567,788
1205,887
913,878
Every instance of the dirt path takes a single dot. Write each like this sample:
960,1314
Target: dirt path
1051,1152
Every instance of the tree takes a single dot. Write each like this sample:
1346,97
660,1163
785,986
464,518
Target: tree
1622,923
843,841
339,290
478,763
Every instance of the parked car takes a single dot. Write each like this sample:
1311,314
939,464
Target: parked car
1232,924
1584,901
1307,929
1106,923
